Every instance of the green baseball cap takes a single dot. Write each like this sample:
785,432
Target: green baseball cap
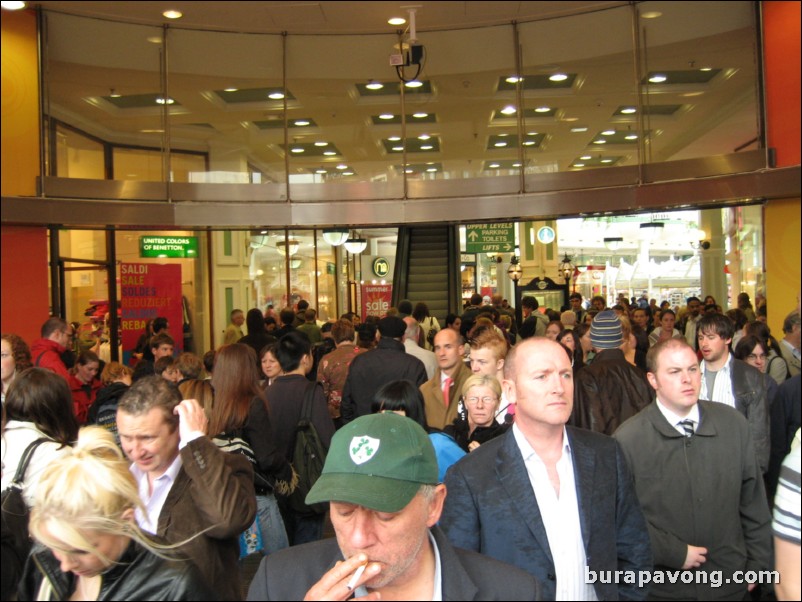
378,462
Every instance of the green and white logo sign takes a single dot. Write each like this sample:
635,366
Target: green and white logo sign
381,267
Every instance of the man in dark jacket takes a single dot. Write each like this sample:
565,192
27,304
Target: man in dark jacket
610,390
733,382
386,362
698,483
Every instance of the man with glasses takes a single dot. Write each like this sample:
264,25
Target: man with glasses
46,352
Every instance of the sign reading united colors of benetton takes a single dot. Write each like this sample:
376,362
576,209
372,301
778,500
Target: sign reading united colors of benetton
168,246
490,238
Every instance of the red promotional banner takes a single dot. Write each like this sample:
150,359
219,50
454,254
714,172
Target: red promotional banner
150,291
376,299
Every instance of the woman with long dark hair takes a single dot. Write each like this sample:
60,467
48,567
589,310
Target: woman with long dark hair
240,419
38,405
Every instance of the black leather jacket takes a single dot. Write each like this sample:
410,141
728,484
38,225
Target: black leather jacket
751,400
608,392
138,575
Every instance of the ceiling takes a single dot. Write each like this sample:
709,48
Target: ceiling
327,65
325,17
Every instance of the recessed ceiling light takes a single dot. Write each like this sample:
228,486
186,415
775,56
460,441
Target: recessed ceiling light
494,166
500,144
321,171
692,94
652,14
394,138
408,171
629,110
342,167
420,115
503,135
415,83
398,149
386,116
608,132
514,79
606,160
706,69
576,130
301,122
509,110
558,77
631,137
600,142
542,109
424,137
396,21
114,94
529,143
374,85
230,89
348,173
172,14
658,78
12,5
569,119
579,165
276,95
432,169
162,101
154,39
321,143
531,133
297,149
329,153
516,164
426,147
586,157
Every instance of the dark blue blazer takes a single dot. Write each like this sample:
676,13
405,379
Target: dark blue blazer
491,508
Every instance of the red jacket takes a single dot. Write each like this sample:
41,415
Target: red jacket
47,354
83,396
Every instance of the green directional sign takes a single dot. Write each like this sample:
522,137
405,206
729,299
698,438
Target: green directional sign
490,238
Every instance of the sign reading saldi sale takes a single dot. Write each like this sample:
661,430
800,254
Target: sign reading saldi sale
150,291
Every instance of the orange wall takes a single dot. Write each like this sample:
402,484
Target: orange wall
20,107
24,281
781,47
781,35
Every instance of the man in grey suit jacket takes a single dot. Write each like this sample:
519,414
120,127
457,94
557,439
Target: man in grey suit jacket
382,481
555,501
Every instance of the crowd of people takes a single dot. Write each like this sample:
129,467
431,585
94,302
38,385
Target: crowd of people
584,453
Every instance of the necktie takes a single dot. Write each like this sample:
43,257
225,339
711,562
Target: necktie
687,426
446,389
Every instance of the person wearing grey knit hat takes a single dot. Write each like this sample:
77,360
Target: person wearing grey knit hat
605,330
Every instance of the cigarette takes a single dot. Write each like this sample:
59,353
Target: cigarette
353,580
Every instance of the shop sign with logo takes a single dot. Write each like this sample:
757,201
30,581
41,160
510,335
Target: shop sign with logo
168,246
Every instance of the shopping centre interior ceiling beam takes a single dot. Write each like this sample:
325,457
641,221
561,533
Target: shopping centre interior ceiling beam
686,193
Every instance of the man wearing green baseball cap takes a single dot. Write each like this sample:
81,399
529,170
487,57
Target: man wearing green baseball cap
382,481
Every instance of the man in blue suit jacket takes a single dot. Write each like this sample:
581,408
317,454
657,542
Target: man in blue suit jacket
555,501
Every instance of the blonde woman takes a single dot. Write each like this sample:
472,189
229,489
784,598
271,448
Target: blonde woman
89,546
481,394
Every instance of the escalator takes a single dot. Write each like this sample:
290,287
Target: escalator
427,268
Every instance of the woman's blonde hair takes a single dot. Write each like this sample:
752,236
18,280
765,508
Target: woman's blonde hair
482,380
113,372
89,488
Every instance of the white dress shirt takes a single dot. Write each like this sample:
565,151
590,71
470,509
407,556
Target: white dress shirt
154,501
560,516
675,419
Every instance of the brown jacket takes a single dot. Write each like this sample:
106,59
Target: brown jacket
437,414
211,501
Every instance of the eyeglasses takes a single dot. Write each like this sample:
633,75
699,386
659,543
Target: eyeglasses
754,357
485,400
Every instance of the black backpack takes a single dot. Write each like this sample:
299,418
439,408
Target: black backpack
308,457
